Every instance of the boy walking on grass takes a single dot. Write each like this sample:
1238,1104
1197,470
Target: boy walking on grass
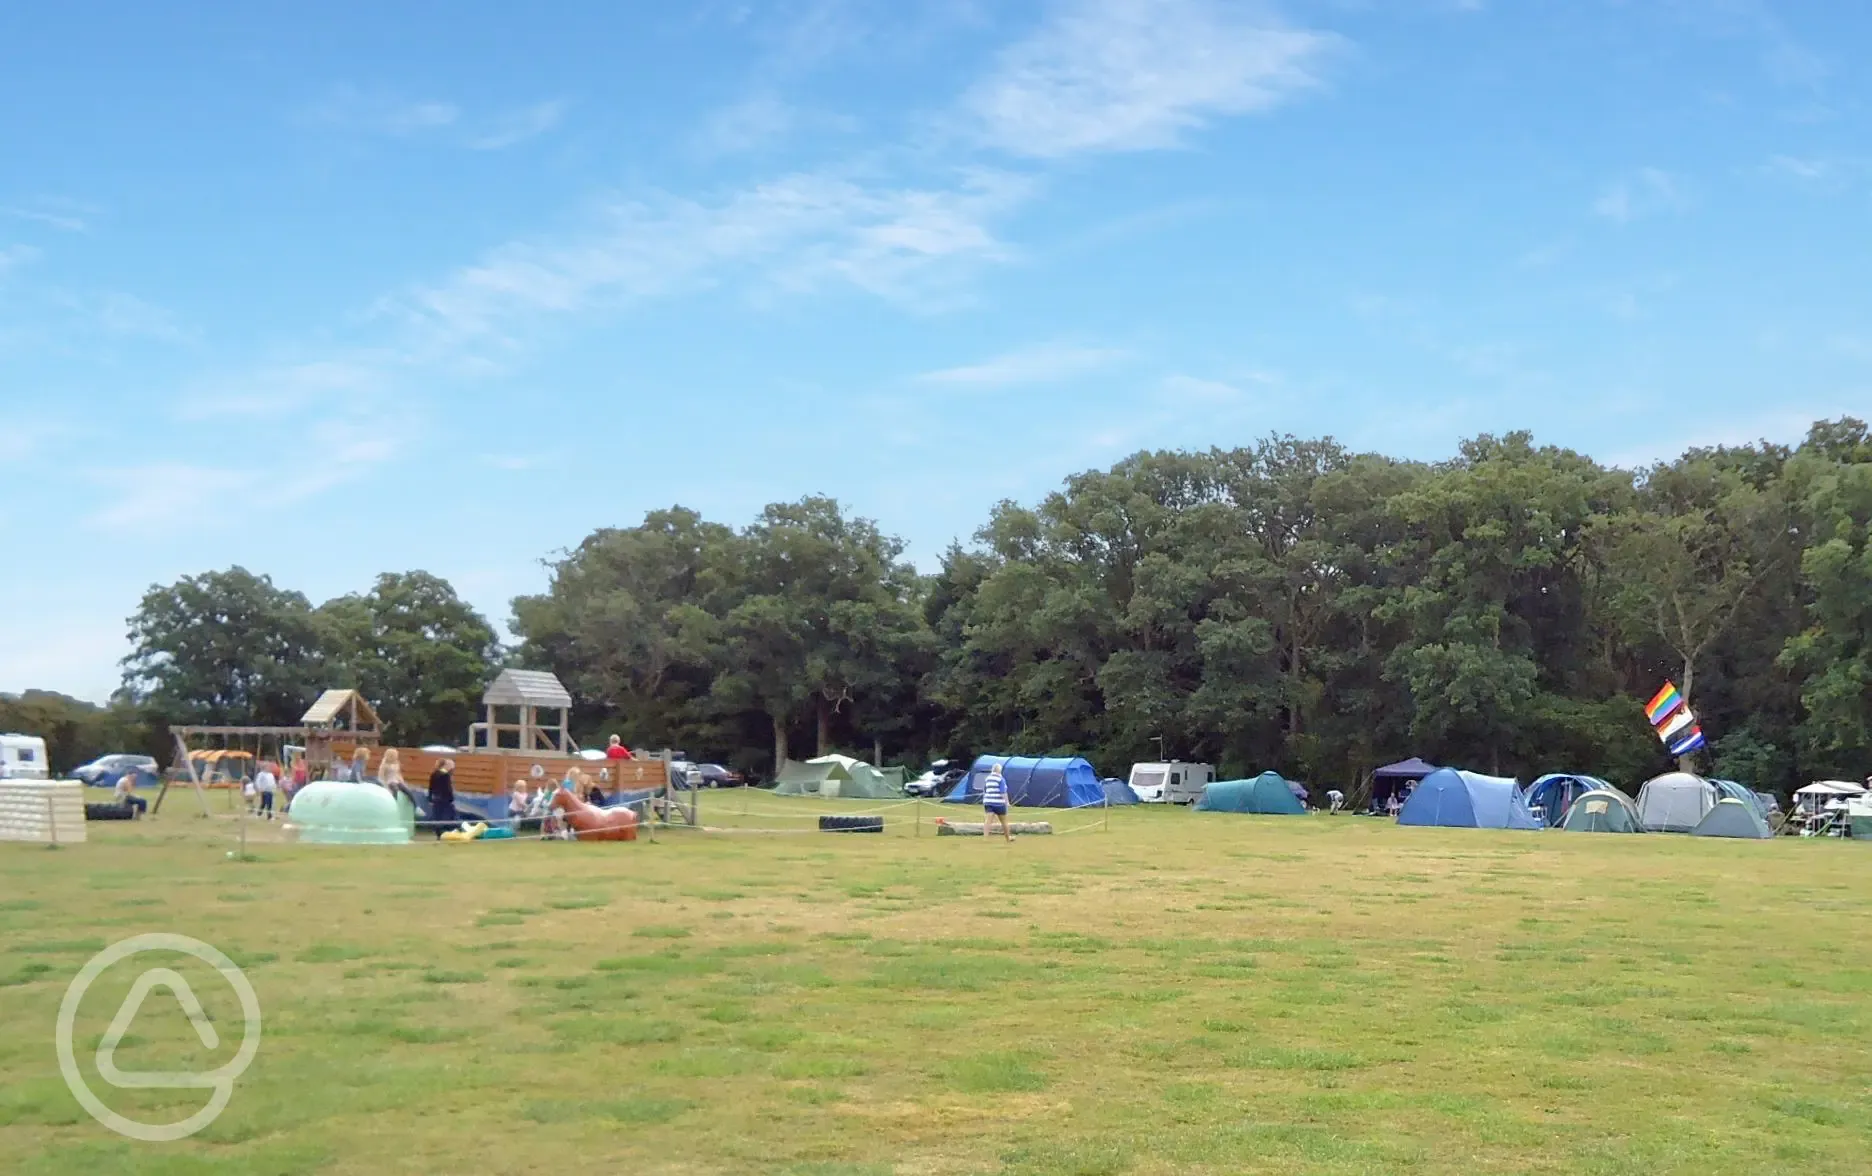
995,801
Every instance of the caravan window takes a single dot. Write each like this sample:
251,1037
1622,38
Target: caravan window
1176,779
1147,780
25,755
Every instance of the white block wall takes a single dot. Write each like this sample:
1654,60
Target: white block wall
34,810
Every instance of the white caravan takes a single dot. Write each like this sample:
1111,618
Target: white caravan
23,757
1170,783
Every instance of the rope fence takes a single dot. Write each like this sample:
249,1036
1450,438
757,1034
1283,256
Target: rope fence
718,812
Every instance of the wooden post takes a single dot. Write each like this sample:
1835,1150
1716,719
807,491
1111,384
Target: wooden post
1107,828
919,816
51,812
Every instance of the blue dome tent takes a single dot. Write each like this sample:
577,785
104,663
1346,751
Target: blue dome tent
1034,783
1730,790
1118,792
1554,793
1466,800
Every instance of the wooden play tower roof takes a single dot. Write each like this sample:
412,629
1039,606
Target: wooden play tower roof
535,688
529,693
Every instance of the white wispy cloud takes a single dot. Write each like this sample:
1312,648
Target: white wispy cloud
163,496
14,256
114,312
757,121
1128,75
1044,364
1645,192
28,438
765,120
518,126
1819,173
53,217
1186,389
796,234
285,388
378,112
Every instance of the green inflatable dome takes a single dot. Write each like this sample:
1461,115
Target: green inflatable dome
332,812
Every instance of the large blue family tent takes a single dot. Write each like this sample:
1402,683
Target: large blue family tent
1551,796
1034,783
1266,793
1466,800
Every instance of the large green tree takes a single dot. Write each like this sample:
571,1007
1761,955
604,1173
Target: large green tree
224,648
1833,652
413,647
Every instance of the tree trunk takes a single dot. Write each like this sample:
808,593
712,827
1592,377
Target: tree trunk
824,709
779,744
877,750
1293,691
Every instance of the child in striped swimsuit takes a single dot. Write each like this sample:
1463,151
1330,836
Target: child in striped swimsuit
995,802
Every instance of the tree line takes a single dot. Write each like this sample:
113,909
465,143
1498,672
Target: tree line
1290,605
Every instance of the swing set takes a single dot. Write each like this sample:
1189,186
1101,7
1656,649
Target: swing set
220,757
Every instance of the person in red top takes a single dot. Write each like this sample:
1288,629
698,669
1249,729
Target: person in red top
617,750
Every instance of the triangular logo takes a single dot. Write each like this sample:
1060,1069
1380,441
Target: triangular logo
120,1024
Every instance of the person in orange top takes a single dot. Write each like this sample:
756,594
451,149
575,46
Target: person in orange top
617,750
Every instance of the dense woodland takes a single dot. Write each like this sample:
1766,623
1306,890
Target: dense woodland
1292,606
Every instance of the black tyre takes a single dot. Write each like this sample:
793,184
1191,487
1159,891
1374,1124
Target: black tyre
108,812
841,824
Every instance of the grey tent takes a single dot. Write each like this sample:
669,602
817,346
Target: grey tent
1602,810
1675,802
1732,818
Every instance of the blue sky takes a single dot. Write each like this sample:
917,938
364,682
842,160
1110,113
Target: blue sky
327,290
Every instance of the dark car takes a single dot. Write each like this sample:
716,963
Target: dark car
716,776
711,775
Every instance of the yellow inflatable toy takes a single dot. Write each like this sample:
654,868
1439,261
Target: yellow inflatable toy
466,832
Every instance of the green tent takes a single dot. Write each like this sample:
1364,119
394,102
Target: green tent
1602,811
1732,818
1266,793
839,776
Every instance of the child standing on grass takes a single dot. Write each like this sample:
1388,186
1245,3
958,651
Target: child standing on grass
995,802
266,783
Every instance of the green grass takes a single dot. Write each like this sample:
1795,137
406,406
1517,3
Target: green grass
1179,994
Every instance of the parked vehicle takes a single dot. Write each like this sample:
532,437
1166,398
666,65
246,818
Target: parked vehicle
104,771
717,776
23,757
1174,782
937,780
689,774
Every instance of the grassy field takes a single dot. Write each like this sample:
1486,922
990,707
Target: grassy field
1178,993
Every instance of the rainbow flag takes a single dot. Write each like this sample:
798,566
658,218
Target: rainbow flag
1663,703
1679,719
1691,741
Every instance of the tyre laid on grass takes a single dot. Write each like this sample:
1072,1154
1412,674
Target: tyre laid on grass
842,824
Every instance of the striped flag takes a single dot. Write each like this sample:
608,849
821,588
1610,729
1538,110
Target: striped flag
1691,740
1663,703
1680,718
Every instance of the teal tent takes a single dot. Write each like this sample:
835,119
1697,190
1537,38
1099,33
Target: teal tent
1266,793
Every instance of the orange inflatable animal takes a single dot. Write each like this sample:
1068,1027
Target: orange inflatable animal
595,824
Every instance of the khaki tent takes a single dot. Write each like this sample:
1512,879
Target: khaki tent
839,776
